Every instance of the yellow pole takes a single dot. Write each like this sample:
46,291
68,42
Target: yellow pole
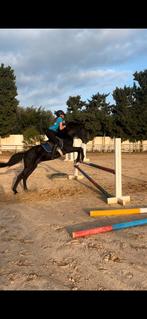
110,212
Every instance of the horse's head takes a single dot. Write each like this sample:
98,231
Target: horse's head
77,129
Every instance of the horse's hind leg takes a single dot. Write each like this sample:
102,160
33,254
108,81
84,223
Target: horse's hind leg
19,177
23,175
26,174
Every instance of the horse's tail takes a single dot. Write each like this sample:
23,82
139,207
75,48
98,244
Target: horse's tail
16,158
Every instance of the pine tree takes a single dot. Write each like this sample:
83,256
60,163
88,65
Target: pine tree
122,113
140,104
97,110
8,101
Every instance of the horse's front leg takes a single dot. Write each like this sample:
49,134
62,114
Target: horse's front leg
80,156
80,152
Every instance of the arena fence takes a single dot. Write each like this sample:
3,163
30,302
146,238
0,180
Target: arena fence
15,143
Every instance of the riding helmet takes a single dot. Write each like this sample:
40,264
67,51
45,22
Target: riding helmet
59,112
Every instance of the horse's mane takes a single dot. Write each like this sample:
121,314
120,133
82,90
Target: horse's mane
73,129
75,123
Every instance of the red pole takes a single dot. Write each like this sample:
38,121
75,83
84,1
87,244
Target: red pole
110,170
92,181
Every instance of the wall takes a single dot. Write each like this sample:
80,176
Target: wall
106,144
99,143
12,143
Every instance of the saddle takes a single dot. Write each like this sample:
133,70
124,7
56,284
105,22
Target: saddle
48,147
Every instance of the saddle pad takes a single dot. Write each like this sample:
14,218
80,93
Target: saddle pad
47,147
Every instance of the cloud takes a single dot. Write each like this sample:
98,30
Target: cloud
67,85
52,64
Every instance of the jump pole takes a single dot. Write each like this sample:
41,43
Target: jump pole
115,212
91,180
103,168
104,229
118,175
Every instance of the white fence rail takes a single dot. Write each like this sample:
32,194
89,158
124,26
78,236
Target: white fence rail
15,143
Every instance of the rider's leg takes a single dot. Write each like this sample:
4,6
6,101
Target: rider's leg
51,136
57,147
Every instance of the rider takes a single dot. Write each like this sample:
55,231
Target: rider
53,131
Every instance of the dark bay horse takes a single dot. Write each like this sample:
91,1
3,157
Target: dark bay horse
37,153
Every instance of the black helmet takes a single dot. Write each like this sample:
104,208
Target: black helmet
59,112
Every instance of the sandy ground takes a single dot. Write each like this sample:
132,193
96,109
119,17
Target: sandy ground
37,251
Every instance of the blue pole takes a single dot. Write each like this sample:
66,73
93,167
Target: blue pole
130,224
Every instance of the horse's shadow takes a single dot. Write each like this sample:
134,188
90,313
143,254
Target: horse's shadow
57,174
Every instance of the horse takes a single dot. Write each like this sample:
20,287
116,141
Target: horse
37,154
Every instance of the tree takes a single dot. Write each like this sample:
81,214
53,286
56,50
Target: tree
140,104
32,136
74,107
98,113
122,114
32,117
8,101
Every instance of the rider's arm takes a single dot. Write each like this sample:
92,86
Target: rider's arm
61,126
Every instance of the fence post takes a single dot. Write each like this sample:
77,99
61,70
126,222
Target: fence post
118,168
118,176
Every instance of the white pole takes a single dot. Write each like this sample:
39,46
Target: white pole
76,172
84,149
118,179
0,145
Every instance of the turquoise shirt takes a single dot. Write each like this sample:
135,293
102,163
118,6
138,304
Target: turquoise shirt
55,126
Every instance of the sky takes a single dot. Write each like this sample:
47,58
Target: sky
52,64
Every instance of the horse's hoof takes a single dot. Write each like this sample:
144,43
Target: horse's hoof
77,164
80,161
15,191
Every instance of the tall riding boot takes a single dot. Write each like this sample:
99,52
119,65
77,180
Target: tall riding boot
54,151
56,148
